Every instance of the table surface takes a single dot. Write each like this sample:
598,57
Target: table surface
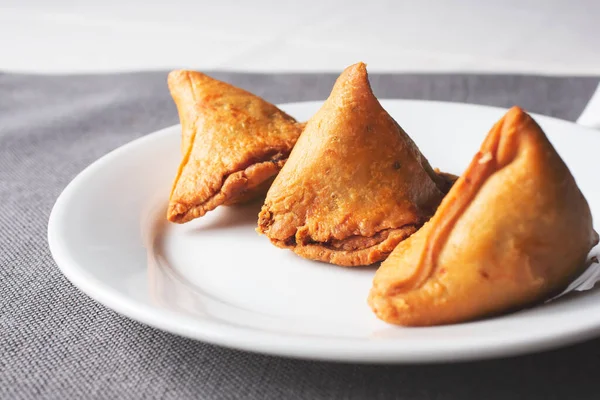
516,36
57,343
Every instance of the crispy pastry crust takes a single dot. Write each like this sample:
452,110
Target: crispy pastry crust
354,186
512,231
233,144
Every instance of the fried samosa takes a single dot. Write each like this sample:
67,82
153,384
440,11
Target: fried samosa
513,230
233,144
355,184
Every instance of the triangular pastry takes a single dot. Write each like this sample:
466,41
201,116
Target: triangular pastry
513,230
355,184
233,144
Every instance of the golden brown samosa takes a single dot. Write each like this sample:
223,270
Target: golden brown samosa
233,144
514,230
355,184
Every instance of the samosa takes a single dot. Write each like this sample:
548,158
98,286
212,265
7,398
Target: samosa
233,144
355,184
514,230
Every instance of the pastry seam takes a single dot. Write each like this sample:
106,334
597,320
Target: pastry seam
197,209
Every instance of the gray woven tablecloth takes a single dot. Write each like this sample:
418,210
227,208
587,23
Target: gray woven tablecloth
56,343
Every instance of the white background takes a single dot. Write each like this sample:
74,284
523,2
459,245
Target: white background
535,36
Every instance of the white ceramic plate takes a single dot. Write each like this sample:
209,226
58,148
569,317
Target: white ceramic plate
216,280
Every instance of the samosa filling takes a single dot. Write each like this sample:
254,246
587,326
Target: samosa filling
351,243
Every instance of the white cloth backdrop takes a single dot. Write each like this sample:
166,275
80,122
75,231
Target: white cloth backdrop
513,36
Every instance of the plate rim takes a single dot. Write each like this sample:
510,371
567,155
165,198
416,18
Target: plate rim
253,340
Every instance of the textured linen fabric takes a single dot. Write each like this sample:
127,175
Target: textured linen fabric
56,343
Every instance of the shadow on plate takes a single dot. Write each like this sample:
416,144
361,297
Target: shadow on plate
229,217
